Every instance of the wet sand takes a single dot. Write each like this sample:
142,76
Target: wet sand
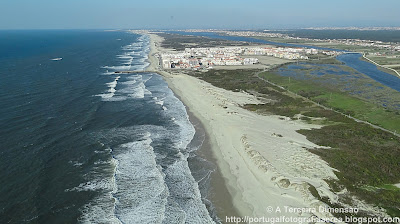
217,192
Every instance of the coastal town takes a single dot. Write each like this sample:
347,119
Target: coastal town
350,42
195,58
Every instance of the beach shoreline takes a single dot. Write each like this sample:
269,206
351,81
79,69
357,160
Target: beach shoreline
260,169
219,195
217,192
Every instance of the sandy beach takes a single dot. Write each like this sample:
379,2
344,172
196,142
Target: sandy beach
262,159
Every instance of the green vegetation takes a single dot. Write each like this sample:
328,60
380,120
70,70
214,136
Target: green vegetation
180,42
283,40
323,59
326,44
367,159
341,101
385,60
326,200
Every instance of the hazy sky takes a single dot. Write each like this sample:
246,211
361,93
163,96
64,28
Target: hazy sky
71,14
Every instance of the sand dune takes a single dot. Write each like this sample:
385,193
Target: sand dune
261,167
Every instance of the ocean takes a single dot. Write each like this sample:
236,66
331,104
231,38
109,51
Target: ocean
81,144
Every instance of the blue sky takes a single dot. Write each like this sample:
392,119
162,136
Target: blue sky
98,14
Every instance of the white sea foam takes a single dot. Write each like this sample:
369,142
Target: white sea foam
185,197
133,46
126,59
186,129
91,186
124,56
105,96
108,73
134,53
142,192
108,97
135,87
130,82
185,192
148,194
75,163
100,162
102,208
135,58
137,92
96,182
159,101
107,150
118,67
113,84
140,67
180,180
111,91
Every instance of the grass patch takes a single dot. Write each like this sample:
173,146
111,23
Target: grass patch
384,60
338,100
327,60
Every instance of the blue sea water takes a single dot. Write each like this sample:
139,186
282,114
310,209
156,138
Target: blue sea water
81,144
